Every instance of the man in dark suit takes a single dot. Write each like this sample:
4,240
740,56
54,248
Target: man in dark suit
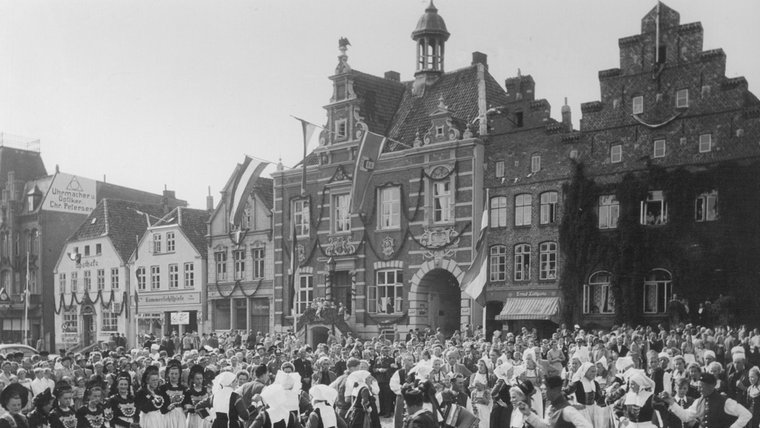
382,370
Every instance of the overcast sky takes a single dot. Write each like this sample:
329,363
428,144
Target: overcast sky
153,93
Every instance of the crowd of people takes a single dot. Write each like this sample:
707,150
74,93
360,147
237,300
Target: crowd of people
619,377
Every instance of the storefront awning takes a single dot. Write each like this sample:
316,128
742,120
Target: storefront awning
529,308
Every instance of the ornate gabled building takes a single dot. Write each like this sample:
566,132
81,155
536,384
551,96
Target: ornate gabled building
395,263
656,193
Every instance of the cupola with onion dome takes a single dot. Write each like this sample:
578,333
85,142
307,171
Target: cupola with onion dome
431,35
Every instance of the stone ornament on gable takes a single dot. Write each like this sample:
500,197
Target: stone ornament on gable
339,246
388,246
301,253
436,237
439,172
438,255
360,127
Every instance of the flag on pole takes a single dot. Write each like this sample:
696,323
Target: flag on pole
308,129
293,264
474,281
247,176
369,151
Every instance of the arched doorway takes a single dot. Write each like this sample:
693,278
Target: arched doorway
319,334
493,309
444,300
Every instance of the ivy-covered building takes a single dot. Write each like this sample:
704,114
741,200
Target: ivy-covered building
657,192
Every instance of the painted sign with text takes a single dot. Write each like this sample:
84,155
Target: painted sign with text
71,194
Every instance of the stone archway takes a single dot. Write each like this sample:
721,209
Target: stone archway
435,299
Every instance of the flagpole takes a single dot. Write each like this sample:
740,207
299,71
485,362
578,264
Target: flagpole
485,206
26,302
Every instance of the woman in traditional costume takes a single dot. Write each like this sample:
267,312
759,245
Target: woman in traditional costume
43,404
196,393
91,415
363,390
323,416
276,413
637,410
148,401
121,403
588,396
227,405
13,398
173,393
63,414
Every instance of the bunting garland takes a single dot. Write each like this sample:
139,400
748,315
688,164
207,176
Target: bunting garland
86,299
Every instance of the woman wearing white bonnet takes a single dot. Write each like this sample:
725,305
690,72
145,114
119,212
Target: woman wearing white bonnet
363,390
638,411
322,399
276,413
588,395
226,404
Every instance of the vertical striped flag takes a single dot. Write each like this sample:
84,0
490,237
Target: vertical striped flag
308,129
248,174
474,281
369,151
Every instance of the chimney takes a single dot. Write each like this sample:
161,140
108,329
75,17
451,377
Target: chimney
520,87
480,58
567,117
167,200
393,75
209,201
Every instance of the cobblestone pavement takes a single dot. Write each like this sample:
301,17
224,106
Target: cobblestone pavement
386,422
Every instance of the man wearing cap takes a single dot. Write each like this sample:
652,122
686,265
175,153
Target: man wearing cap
382,370
711,410
560,414
737,375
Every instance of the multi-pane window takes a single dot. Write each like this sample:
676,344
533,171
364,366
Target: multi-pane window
597,294
86,250
549,207
547,254
523,209
658,290
609,211
189,275
98,249
442,201
390,207
499,169
682,98
498,263
173,275
659,149
101,278
155,277
74,281
62,282
302,217
87,280
239,259
114,278
220,259
340,128
170,242
141,282
70,321
156,243
654,210
258,262
616,153
637,104
535,163
341,213
706,206
498,211
386,296
522,262
305,293
110,321
705,143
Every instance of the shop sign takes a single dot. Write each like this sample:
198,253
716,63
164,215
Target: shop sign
180,318
536,293
71,194
171,300
70,338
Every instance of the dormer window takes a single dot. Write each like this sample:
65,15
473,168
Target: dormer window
439,132
682,98
638,104
341,129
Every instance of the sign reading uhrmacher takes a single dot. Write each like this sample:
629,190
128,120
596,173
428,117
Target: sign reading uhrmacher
71,194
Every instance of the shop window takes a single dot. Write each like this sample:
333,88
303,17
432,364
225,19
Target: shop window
654,210
597,294
658,290
498,263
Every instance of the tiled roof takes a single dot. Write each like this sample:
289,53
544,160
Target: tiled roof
380,99
264,188
26,164
42,184
121,221
114,191
193,224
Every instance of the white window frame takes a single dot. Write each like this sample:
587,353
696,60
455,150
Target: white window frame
109,321
341,213
663,289
497,263
706,207
682,98
390,207
98,249
637,104
87,280
156,243
608,212
115,279
100,277
549,201
86,251
548,263
659,148
439,131
616,153
387,282
170,242
522,262
189,275
173,276
498,211
535,164
654,197
443,201
220,261
305,293
71,317
142,282
258,254
705,143
596,281
499,169
155,277
238,257
523,209
341,129
302,213
62,282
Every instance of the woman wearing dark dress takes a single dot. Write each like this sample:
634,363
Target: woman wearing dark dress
91,415
227,405
324,416
501,411
121,404
43,404
195,394
752,399
419,417
173,393
148,401
63,414
363,403
13,398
